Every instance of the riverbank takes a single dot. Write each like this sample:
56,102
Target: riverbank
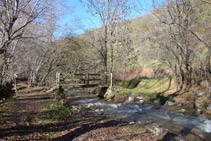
35,115
193,101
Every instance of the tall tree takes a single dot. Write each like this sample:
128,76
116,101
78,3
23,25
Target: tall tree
15,16
110,13
177,18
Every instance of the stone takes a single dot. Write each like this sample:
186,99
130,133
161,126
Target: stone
89,105
198,104
97,110
156,130
207,112
109,93
139,97
208,108
130,99
74,108
169,103
101,110
141,101
179,104
182,110
199,94
199,111
197,132
132,122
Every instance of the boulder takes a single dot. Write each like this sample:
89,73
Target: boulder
109,93
169,103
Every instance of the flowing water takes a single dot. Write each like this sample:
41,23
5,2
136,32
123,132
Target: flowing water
133,112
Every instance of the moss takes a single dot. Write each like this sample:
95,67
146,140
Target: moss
131,84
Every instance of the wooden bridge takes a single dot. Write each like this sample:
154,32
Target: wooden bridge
70,80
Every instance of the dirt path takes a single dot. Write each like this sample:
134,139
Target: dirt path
20,119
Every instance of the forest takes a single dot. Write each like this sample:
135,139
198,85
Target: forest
156,51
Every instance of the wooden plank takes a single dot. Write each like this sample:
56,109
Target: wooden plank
74,79
64,85
73,82
91,74
82,74
94,79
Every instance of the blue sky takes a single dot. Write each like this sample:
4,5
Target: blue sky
77,20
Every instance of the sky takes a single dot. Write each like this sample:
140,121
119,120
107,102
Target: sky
77,20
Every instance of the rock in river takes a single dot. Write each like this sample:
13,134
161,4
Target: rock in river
169,103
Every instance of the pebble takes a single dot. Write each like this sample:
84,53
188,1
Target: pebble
200,94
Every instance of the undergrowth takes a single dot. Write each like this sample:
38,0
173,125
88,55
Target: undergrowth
151,89
57,112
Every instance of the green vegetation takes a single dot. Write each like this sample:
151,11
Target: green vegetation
130,84
151,89
57,112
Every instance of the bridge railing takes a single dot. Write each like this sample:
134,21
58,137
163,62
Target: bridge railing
81,80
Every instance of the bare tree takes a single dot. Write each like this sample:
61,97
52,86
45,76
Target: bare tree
110,13
15,16
178,19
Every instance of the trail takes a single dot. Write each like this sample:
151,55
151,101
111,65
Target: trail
20,120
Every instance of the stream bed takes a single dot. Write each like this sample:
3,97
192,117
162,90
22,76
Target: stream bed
140,113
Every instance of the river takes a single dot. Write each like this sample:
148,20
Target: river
133,112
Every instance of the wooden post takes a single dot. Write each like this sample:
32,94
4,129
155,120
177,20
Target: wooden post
111,80
87,80
58,79
15,81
